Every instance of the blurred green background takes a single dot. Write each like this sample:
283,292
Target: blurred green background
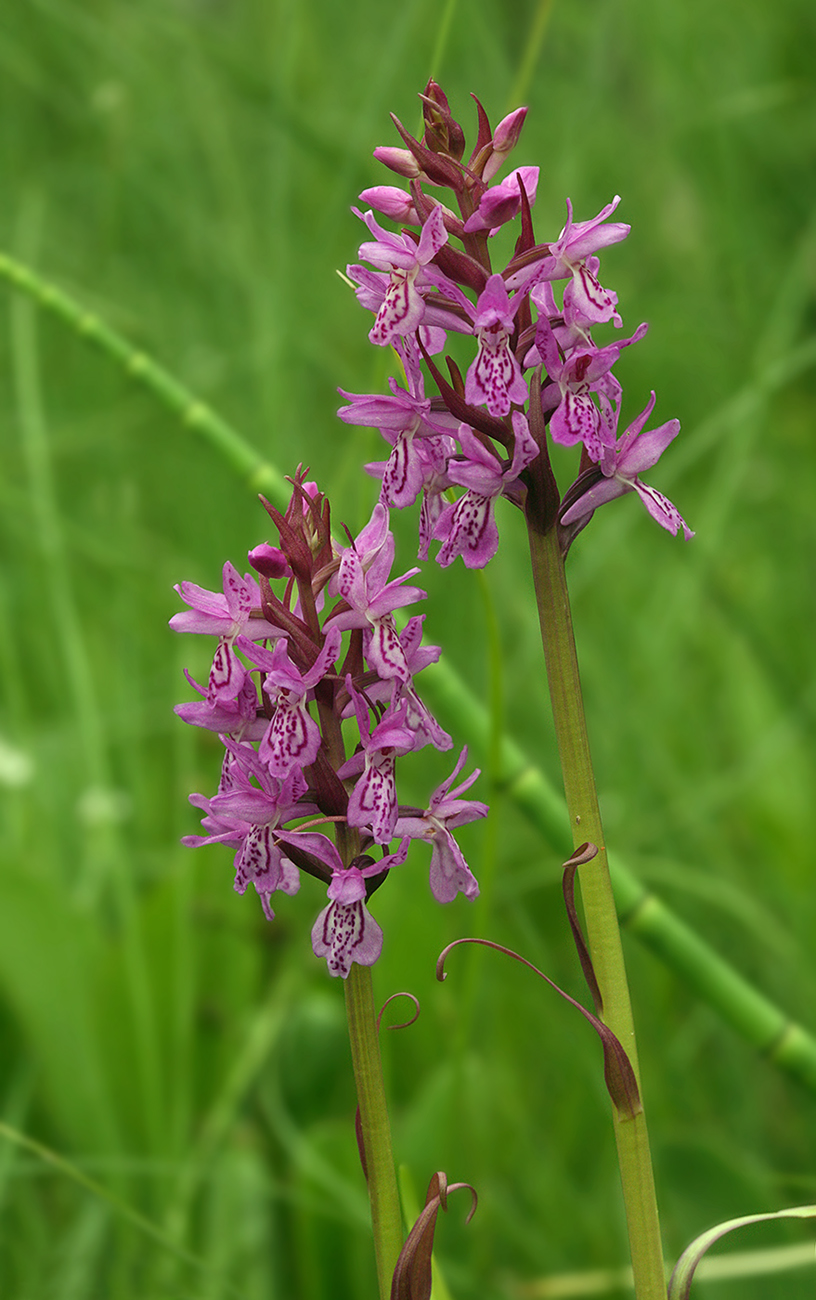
185,169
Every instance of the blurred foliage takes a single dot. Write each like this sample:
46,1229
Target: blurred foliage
186,168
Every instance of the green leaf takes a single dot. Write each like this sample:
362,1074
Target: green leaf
680,1283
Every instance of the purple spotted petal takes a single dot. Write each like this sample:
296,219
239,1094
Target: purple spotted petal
232,717
577,419
662,510
238,594
495,377
346,933
401,312
212,612
469,530
227,674
450,874
433,237
587,300
403,474
373,801
384,652
261,862
635,450
292,738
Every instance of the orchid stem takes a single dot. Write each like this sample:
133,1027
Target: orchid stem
386,1219
631,1135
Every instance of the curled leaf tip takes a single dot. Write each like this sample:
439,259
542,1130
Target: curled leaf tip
404,1024
441,973
584,853
621,1082
412,1278
474,1199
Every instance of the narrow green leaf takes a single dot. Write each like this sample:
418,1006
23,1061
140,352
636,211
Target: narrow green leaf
684,1269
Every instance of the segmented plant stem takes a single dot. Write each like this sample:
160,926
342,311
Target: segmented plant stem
240,455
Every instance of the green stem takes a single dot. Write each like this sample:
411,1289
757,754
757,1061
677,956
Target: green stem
599,904
386,1219
196,415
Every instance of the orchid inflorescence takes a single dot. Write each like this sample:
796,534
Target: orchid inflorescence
531,348
283,774
287,772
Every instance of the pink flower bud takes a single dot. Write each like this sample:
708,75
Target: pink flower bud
401,161
269,561
391,202
505,139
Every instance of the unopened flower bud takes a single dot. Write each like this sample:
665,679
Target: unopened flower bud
505,139
401,161
443,134
392,202
269,560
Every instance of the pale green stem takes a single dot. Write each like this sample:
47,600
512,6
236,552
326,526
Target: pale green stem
195,414
386,1219
599,905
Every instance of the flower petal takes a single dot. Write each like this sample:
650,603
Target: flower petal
344,934
662,510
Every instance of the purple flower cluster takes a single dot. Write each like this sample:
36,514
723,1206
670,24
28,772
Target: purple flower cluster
311,687
536,362
314,740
